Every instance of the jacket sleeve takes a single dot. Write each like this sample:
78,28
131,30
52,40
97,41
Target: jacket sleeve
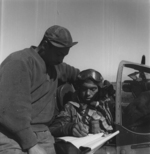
63,123
67,73
15,102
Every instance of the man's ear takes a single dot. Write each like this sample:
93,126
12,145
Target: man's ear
44,44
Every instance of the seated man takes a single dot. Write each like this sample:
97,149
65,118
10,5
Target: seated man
88,111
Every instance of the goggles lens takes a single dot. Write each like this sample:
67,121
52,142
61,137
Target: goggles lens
90,74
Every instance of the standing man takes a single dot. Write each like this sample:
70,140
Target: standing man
28,83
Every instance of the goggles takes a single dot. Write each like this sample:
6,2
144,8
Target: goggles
90,74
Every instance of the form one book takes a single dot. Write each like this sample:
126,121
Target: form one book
92,141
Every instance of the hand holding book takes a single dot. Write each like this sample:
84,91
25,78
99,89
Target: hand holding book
81,130
95,127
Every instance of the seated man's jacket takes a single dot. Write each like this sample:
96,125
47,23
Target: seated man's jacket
75,111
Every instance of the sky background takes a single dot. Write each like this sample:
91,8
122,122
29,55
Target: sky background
107,31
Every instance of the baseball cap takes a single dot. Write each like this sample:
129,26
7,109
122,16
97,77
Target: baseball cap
59,35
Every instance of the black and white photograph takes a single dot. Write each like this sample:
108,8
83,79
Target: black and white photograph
74,76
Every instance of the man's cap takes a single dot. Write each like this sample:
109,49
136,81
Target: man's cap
59,35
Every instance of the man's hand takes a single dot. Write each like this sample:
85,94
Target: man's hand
36,150
95,127
80,130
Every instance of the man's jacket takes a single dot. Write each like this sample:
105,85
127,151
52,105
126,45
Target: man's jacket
27,94
75,111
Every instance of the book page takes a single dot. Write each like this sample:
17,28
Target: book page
92,140
81,141
100,141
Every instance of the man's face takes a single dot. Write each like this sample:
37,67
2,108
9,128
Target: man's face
55,55
88,91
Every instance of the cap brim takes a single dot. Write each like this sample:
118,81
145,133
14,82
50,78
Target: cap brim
58,42
74,43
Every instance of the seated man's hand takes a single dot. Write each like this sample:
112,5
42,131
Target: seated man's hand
95,127
80,130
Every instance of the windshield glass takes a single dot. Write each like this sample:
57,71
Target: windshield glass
135,99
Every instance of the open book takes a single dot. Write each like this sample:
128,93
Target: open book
93,141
